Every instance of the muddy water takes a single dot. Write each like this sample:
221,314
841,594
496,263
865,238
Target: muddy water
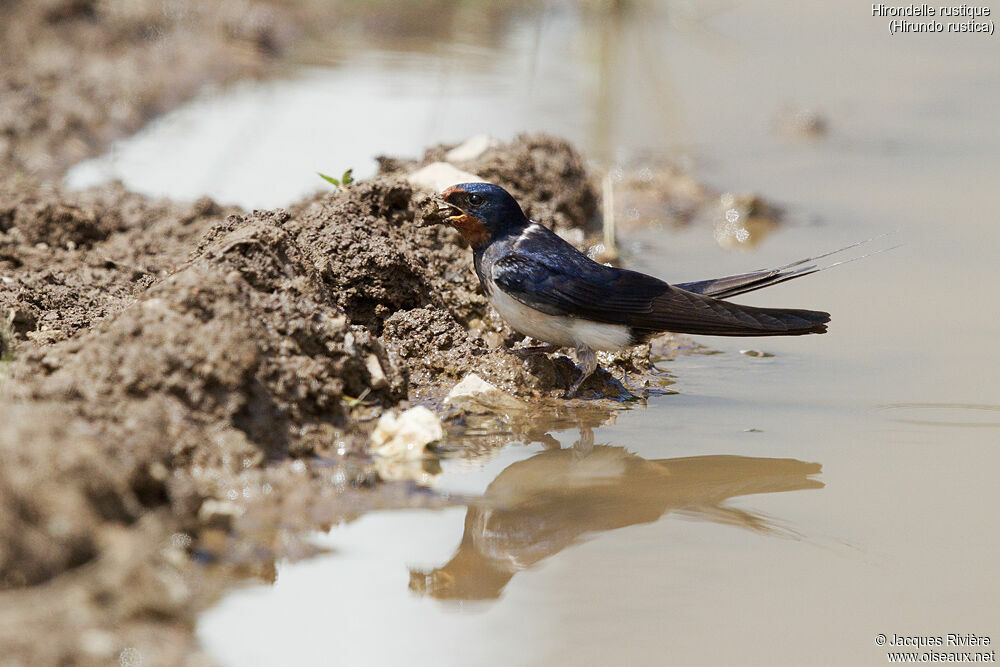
784,508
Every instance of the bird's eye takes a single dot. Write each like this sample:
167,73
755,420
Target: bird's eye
475,200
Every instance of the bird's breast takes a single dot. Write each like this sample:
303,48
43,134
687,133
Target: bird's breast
560,330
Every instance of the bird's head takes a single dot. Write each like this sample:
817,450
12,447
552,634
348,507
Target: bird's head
481,211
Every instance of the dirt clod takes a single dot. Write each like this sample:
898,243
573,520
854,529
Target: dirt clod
186,386
200,348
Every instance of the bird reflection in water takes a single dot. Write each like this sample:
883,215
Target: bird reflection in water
537,507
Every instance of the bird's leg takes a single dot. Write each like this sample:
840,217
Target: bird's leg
587,359
640,392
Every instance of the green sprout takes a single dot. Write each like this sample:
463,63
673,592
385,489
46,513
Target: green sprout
351,401
346,179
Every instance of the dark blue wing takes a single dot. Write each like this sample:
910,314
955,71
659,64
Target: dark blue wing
547,274
560,287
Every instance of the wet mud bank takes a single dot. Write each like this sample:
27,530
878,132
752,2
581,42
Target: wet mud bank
172,363
188,387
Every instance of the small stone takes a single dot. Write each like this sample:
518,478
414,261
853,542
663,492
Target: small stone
493,339
375,372
439,175
471,148
474,394
756,353
406,435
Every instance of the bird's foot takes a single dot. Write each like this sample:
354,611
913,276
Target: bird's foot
643,392
587,359
571,392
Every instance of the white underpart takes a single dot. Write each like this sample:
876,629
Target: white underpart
558,329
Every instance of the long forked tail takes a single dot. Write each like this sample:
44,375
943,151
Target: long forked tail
729,286
681,311
774,321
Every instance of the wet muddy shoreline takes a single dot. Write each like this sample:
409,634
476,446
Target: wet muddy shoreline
182,381
193,394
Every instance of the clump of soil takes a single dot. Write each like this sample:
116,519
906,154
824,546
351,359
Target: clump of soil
69,260
193,354
168,369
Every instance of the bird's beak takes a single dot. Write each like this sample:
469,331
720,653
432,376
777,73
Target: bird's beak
446,212
449,210
469,226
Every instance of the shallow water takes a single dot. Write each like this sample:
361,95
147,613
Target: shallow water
777,509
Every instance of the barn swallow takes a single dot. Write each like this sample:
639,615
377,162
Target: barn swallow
545,288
